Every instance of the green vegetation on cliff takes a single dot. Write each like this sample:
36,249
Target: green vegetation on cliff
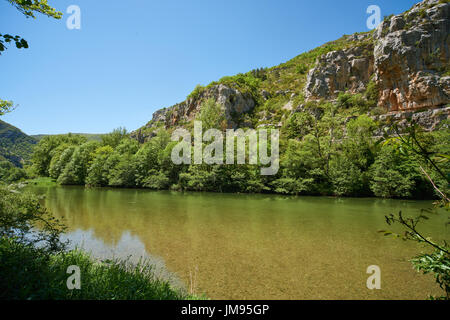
272,88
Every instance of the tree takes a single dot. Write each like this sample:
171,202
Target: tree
19,214
124,172
9,173
353,101
114,138
166,165
212,115
61,156
347,178
156,180
298,125
28,8
148,157
76,170
358,145
394,175
122,167
353,157
97,175
6,38
198,178
44,151
299,170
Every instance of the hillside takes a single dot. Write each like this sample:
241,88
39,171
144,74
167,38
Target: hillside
15,145
88,136
398,70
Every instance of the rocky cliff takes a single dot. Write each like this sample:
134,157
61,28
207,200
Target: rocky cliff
232,100
407,56
406,59
412,58
348,70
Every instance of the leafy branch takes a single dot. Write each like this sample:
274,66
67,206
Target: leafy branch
411,233
6,106
28,8
407,141
6,38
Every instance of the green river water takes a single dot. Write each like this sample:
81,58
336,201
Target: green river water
234,246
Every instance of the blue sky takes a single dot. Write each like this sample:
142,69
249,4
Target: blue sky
133,57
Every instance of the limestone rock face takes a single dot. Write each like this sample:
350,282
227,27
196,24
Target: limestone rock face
429,120
409,61
340,71
411,55
232,101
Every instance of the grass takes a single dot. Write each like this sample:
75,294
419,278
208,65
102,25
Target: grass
41,182
28,273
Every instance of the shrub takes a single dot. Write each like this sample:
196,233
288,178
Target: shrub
195,94
28,273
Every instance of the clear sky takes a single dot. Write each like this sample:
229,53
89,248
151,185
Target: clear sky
133,57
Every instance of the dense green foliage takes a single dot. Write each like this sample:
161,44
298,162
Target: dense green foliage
323,151
47,147
10,173
26,221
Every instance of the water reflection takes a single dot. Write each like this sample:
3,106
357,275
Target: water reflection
129,248
250,246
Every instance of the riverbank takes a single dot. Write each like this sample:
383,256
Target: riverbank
49,182
41,182
30,273
37,264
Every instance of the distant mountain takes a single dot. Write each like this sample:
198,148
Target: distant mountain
88,136
15,145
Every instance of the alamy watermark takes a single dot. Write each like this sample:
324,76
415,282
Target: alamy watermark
375,16
74,280
374,281
213,153
74,20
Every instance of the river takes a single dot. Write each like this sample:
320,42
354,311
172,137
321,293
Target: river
235,246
